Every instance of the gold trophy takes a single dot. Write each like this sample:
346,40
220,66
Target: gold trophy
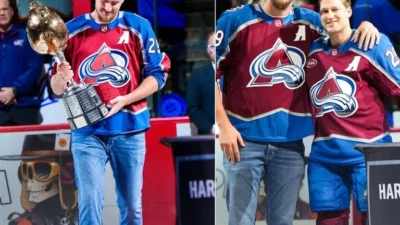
48,34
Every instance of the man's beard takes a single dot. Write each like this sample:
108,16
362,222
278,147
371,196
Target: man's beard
280,4
105,19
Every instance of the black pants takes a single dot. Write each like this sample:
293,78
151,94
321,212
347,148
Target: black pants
13,116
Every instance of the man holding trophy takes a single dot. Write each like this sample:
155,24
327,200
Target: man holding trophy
117,53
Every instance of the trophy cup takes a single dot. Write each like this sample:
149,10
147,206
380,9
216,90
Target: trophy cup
48,34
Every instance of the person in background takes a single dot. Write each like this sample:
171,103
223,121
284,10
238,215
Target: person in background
62,7
20,69
200,95
347,86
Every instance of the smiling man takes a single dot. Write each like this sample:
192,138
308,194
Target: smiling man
265,110
346,90
118,53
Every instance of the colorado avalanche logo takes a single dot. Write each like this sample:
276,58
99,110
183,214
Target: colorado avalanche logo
106,65
334,93
280,64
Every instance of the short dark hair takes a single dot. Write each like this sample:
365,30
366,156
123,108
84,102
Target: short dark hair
13,5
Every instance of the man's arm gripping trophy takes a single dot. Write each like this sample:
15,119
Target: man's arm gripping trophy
48,34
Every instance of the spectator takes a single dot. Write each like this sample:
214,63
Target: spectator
20,69
200,95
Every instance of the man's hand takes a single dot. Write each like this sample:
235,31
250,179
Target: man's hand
117,104
59,80
64,71
7,96
229,138
366,34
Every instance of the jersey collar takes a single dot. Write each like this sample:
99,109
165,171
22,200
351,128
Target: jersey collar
270,19
343,47
104,26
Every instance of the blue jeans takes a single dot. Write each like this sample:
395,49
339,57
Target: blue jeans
280,166
126,153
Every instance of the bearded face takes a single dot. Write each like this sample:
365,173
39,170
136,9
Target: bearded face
281,4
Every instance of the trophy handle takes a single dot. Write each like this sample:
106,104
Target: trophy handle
60,58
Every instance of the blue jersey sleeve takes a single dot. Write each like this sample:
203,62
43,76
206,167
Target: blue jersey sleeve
226,27
385,67
156,63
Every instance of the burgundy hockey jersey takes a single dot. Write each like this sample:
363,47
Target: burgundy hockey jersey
346,90
262,60
115,58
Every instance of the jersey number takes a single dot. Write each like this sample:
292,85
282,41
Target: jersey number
393,57
218,37
153,44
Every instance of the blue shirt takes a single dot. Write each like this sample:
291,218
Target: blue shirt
20,66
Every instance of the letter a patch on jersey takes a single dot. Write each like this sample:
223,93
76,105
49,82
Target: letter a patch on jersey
353,66
124,39
301,33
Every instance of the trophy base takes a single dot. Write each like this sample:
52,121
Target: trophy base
83,106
